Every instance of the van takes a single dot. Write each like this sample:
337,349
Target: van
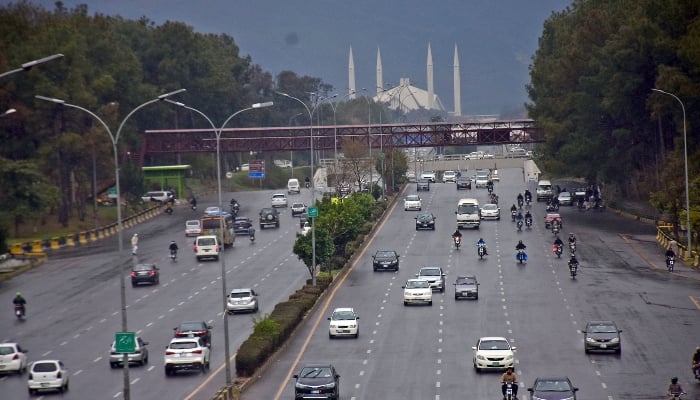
544,190
160,196
206,247
293,186
468,213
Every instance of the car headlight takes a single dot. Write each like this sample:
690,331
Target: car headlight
352,325
330,385
480,357
615,340
509,357
299,385
590,340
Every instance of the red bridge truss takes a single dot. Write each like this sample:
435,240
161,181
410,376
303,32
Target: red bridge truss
333,136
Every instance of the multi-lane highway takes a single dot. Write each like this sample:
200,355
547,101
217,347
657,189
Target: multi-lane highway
424,352
73,306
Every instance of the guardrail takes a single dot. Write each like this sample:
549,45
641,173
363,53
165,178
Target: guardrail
667,241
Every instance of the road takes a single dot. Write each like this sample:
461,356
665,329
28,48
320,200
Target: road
73,306
423,352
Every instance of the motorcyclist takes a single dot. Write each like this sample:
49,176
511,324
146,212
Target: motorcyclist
519,216
251,232
457,234
512,377
528,195
573,261
489,185
558,242
520,199
19,300
572,238
193,203
528,216
695,362
675,388
520,245
670,253
173,247
482,243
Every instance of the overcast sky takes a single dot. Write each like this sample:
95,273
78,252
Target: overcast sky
496,39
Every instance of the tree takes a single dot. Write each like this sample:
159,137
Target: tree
356,161
324,248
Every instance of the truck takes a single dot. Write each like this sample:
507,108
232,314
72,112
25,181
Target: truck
468,213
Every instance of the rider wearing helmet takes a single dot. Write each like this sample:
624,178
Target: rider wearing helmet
513,208
675,388
572,238
482,243
457,234
520,245
173,246
19,300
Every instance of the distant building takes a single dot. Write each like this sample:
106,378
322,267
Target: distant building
406,98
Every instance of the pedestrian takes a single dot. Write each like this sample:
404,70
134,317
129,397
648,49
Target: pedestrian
134,243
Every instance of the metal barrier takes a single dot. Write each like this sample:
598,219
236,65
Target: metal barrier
666,241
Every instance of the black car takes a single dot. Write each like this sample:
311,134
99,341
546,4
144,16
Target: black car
466,287
422,184
425,221
463,182
196,328
385,260
552,388
269,217
602,335
317,381
241,225
144,273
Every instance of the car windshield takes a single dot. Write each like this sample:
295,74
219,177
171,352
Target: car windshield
343,315
412,198
184,345
490,207
602,329
467,209
385,254
425,216
550,385
418,284
278,196
193,223
316,372
239,295
206,242
465,281
44,367
494,345
422,180
143,267
297,205
430,272
191,326
5,350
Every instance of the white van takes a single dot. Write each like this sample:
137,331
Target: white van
293,186
468,213
544,190
206,247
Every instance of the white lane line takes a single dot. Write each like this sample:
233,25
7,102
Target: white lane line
78,372
98,359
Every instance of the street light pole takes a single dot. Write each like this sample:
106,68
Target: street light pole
313,188
28,65
685,159
115,140
218,132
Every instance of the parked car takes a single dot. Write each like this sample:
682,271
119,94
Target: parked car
193,227
602,335
13,358
139,356
422,184
186,354
385,259
317,381
565,199
552,388
240,300
466,287
343,322
47,375
493,353
425,221
144,273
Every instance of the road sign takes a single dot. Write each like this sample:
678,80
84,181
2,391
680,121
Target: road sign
256,169
229,175
112,193
312,211
125,342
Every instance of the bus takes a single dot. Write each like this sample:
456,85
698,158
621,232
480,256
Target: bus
211,225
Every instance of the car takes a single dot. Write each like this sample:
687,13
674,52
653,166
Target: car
139,356
385,259
492,352
212,210
552,388
463,182
47,375
550,217
565,199
193,227
13,358
434,275
160,196
475,155
449,176
417,291
240,300
317,381
580,193
429,175
269,217
490,211
194,328
495,176
245,167
517,152
241,225
206,246
306,228
343,189
298,208
293,186
422,184
344,322
279,200
412,202
602,335
144,273
186,354
466,287
411,176
544,190
488,156
425,221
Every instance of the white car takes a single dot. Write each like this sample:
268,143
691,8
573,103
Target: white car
344,322
212,210
193,227
490,211
187,353
12,358
411,176
306,228
481,181
242,300
412,202
279,200
47,375
495,176
417,291
493,353
449,176
475,155
429,175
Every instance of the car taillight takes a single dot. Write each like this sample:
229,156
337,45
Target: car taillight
133,273
169,353
152,272
16,356
201,333
58,375
31,376
217,248
195,249
198,351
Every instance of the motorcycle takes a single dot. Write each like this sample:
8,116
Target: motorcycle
521,257
173,254
669,263
528,200
457,241
481,250
520,203
252,236
528,223
696,371
19,311
557,249
234,207
490,189
676,396
513,213
572,247
509,391
520,225
555,229
169,210
573,268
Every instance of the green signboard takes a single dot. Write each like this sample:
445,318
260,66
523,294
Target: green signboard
312,211
125,342
112,193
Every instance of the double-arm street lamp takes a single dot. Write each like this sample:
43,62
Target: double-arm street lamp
313,187
28,65
685,159
115,140
218,132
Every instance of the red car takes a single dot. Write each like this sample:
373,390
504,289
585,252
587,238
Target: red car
551,217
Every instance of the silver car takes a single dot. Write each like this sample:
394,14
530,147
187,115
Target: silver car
241,300
139,356
435,276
